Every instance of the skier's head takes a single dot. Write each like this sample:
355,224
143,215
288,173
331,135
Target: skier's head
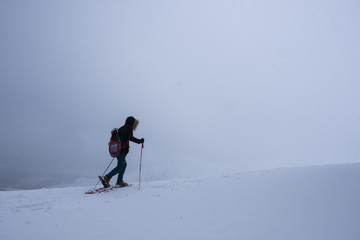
132,122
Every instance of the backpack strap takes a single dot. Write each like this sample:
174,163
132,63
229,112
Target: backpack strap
125,144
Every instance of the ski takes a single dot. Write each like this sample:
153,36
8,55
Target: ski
100,190
106,188
117,186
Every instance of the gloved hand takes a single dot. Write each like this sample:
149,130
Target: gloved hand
142,140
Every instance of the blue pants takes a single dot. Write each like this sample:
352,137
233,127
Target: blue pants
119,169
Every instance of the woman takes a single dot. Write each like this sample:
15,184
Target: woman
126,134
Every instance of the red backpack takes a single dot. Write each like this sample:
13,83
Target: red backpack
115,143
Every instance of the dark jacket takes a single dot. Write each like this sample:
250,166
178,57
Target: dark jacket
126,135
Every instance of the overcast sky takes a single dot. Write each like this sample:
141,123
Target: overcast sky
245,84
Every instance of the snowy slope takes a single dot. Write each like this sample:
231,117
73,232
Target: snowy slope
296,203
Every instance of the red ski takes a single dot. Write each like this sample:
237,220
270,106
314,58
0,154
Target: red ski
100,190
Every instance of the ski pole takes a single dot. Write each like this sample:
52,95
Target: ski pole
105,171
142,146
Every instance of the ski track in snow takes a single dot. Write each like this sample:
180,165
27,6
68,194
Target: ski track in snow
297,203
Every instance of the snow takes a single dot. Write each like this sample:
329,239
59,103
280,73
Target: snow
295,203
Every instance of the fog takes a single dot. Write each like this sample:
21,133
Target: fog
216,85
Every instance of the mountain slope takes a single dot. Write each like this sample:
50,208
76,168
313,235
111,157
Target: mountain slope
296,203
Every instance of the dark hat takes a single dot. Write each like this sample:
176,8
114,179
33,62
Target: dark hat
130,121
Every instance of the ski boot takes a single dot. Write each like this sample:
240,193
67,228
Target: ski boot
121,184
105,181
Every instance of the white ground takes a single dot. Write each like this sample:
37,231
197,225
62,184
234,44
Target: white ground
320,203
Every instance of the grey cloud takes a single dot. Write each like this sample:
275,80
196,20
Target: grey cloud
255,84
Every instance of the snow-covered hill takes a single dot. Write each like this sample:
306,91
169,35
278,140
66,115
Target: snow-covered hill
296,203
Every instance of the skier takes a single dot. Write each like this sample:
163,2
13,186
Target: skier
126,135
